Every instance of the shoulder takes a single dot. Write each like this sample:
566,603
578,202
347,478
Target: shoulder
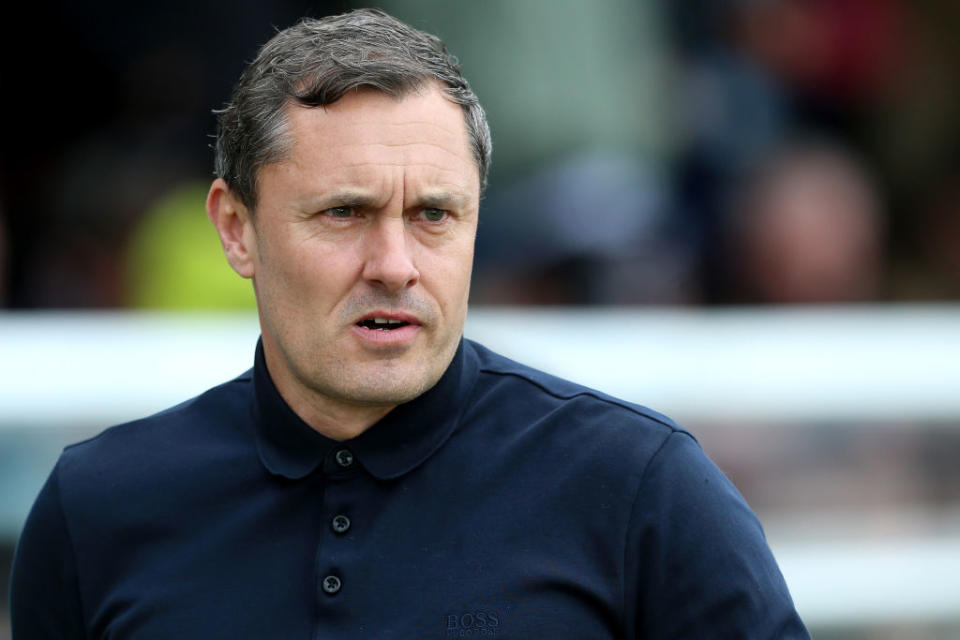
570,416
174,438
523,383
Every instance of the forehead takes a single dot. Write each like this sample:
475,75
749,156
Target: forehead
369,136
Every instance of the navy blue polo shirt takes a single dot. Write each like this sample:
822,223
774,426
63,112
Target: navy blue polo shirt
503,502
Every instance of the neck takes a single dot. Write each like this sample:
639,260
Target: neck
327,416
337,421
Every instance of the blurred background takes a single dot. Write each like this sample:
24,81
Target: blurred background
727,185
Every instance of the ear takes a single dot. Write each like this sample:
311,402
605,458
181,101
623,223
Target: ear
235,226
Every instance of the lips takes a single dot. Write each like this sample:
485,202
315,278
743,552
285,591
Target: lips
380,330
382,324
386,321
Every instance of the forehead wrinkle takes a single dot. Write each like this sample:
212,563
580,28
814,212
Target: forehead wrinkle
357,152
365,173
402,164
360,172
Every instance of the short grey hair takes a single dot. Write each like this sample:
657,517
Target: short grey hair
314,63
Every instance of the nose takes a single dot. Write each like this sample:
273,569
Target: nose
389,262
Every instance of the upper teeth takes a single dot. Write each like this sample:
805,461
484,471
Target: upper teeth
386,321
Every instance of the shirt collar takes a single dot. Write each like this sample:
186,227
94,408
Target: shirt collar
399,442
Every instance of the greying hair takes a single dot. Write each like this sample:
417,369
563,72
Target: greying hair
314,63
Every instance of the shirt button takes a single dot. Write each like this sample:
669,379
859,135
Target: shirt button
331,585
344,458
340,524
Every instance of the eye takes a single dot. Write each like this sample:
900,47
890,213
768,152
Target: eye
339,212
433,215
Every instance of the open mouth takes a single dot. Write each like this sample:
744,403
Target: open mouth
382,324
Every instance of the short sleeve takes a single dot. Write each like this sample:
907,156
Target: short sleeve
44,589
697,562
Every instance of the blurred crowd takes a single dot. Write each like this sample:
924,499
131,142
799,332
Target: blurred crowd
815,162
811,157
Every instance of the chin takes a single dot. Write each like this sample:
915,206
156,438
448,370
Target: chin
382,387
392,395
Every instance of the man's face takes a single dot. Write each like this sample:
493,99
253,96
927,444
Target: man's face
363,247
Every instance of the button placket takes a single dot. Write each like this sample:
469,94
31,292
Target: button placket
344,473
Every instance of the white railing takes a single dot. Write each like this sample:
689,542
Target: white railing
836,364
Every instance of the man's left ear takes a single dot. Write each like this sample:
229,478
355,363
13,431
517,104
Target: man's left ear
235,226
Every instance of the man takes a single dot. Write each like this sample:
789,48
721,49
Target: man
374,474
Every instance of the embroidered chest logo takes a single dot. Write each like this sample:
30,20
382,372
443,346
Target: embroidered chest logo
485,622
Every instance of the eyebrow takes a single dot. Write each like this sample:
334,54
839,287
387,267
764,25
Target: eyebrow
345,197
361,198
442,200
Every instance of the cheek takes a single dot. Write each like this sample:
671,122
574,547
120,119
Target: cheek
451,275
313,266
297,282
